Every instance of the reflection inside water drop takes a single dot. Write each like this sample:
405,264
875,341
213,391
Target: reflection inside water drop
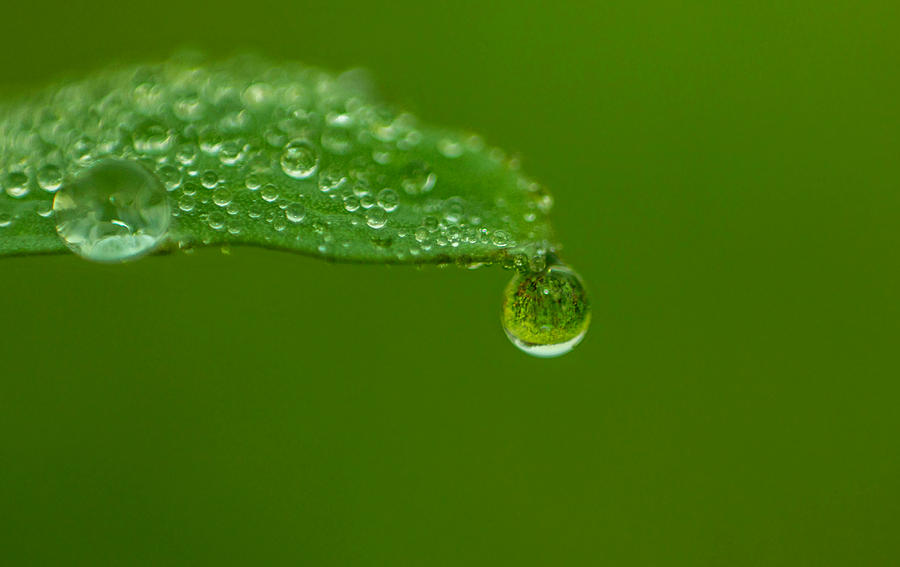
547,313
116,210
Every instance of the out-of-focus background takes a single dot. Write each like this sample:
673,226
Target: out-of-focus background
727,180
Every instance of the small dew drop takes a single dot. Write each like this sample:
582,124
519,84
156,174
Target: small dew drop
186,153
17,184
269,193
170,176
188,109
186,203
50,177
253,182
450,148
216,220
209,179
232,152
152,138
453,209
331,178
376,218
299,159
222,197
418,178
351,203
388,200
500,239
295,212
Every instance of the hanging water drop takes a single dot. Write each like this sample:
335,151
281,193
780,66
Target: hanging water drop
547,313
114,211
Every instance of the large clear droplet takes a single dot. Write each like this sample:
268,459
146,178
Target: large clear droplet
546,313
114,211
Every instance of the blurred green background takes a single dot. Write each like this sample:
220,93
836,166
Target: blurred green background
727,179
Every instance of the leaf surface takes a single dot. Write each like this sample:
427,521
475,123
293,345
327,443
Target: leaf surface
283,156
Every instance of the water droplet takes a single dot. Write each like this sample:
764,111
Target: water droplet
170,176
235,121
331,178
430,223
388,200
376,218
17,184
546,314
253,182
257,95
269,193
453,209
188,109
500,239
232,152
351,203
186,153
82,149
50,177
152,138
216,220
295,212
382,156
5,219
450,148
299,159
114,211
418,178
222,197
209,179
211,141
186,203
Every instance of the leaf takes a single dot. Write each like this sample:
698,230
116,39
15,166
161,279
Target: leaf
278,155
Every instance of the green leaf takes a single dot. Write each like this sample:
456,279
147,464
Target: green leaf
283,156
